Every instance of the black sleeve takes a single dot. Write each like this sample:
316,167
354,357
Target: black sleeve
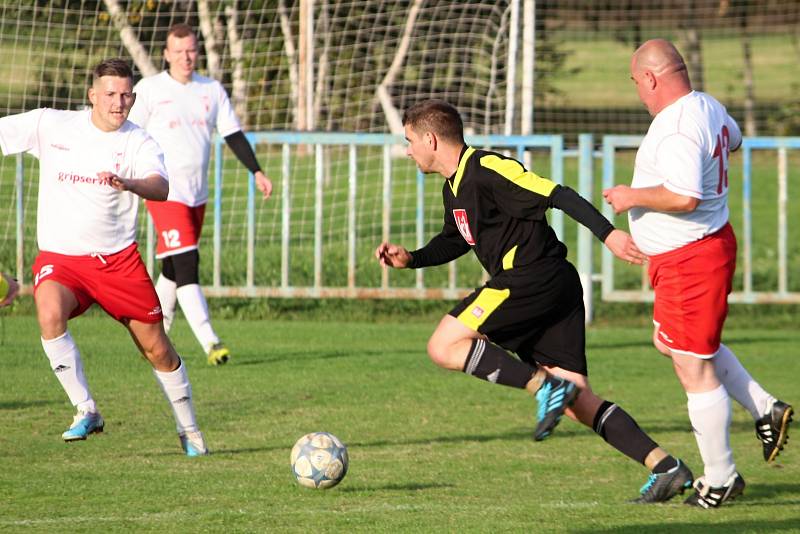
446,246
580,209
241,147
439,250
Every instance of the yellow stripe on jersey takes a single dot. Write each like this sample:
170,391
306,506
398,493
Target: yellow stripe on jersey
508,259
512,170
482,307
460,172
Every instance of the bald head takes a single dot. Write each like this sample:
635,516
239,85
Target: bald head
659,57
660,74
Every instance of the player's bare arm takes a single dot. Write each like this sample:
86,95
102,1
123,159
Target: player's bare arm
390,255
154,187
622,246
659,198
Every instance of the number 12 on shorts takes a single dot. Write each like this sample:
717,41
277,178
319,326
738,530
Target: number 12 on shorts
172,238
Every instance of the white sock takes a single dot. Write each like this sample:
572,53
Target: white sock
178,391
195,309
710,414
740,384
165,289
65,361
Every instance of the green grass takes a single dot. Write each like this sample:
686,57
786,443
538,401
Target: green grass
431,451
603,75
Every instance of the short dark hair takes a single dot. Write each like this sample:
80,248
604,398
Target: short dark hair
435,116
181,30
112,67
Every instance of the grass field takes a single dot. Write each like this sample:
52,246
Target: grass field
431,451
603,70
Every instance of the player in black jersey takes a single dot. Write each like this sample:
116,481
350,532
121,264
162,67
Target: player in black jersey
532,304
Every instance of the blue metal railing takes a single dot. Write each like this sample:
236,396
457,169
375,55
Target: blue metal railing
748,294
391,145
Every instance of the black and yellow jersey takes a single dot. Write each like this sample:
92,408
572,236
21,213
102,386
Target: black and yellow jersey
496,207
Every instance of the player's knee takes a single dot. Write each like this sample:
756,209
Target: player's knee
162,355
438,353
52,320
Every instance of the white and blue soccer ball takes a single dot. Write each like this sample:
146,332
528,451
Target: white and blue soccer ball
319,460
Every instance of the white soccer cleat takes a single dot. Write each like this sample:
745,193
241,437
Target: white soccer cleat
193,444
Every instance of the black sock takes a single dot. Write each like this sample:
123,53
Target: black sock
665,465
489,362
619,429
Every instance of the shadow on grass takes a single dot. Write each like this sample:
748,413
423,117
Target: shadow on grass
394,487
308,356
21,405
763,494
563,432
504,436
729,527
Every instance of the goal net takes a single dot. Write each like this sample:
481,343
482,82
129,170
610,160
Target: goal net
510,66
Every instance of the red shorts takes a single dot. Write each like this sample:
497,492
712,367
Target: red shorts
691,285
178,226
117,282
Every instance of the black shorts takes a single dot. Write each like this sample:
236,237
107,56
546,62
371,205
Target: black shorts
535,311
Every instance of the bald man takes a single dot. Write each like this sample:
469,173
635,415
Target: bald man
678,212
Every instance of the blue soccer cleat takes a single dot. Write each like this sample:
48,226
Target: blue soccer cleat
193,444
83,424
555,395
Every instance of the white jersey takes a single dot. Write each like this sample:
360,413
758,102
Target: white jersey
685,150
182,118
79,213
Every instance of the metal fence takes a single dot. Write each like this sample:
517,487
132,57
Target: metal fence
585,157
780,294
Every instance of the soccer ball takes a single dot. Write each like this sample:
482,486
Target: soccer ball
319,460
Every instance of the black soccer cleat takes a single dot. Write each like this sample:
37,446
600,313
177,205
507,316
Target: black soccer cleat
661,487
773,429
554,396
707,497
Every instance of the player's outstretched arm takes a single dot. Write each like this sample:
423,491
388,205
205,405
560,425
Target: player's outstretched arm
390,255
622,246
154,187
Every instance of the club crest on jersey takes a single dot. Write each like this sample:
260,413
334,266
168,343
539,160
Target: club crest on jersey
463,225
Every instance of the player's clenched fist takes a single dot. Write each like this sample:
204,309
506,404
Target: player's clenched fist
390,255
